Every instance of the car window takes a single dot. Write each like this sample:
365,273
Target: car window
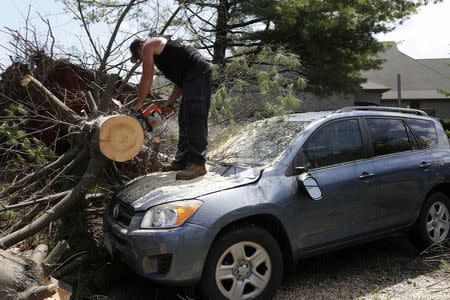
388,136
331,144
425,132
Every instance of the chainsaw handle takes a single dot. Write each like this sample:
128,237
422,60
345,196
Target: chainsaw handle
141,119
156,101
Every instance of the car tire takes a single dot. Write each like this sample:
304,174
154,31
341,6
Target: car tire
432,226
243,263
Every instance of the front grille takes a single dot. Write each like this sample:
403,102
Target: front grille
121,212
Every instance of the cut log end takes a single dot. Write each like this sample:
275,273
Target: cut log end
121,137
26,80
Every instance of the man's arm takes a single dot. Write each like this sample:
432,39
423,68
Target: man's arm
176,93
148,69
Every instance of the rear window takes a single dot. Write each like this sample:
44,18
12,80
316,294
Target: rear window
425,132
388,136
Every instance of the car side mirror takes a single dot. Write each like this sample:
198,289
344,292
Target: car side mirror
310,185
301,170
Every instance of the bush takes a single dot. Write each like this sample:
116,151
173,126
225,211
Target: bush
446,124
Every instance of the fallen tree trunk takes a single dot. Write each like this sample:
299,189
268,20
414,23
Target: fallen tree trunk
120,138
28,278
95,143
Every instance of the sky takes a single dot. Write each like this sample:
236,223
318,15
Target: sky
424,35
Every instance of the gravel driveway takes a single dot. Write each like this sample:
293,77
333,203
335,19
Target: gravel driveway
385,269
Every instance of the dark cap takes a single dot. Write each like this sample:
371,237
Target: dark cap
134,49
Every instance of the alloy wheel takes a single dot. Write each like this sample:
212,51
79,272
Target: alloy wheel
243,271
438,222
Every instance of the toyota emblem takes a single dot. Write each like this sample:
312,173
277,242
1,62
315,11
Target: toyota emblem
115,211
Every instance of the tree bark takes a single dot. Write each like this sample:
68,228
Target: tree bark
221,41
27,279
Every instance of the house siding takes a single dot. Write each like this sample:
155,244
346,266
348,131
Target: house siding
311,102
441,107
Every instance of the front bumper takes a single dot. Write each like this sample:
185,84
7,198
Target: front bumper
172,256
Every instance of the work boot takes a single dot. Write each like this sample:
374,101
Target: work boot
173,166
191,172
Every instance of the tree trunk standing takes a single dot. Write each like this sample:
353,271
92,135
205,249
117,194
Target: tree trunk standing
221,31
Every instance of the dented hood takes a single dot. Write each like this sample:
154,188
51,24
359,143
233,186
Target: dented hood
158,188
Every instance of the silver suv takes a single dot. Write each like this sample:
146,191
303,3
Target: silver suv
283,189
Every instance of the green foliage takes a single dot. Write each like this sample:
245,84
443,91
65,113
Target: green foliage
446,93
264,80
289,60
258,86
335,38
221,104
444,265
446,124
289,101
18,148
8,215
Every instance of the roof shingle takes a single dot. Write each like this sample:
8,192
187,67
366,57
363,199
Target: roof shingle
421,79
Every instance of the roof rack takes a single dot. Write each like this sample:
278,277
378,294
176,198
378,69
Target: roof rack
384,108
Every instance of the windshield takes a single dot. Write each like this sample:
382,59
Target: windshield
259,143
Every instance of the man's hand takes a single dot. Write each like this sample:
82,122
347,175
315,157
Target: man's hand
167,104
137,106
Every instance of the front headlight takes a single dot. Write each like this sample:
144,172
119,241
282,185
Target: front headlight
170,215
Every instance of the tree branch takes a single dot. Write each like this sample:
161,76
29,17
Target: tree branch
62,160
113,36
86,29
89,179
59,107
239,25
50,198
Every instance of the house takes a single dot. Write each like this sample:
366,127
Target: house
421,82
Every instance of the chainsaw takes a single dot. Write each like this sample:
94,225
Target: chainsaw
154,116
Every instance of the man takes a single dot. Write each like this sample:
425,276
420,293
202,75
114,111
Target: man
191,74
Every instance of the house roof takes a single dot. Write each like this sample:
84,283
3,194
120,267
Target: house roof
420,79
414,95
440,65
374,86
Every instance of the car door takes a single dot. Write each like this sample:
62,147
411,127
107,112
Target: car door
398,169
334,156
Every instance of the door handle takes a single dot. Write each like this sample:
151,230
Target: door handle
425,165
366,176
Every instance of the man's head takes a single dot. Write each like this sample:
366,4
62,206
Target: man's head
135,49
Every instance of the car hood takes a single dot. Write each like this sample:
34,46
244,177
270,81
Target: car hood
158,188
